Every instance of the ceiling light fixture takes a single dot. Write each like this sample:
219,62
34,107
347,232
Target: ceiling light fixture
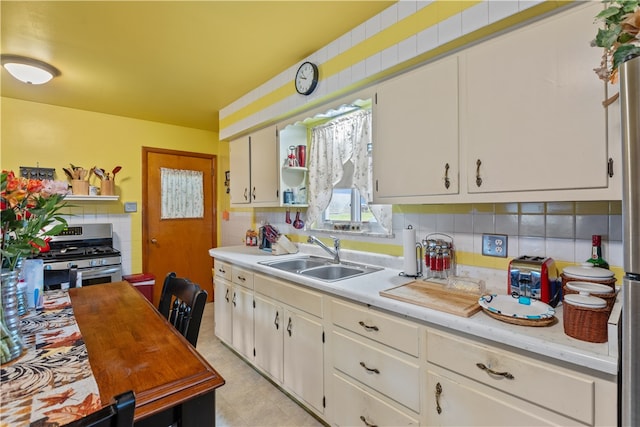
29,70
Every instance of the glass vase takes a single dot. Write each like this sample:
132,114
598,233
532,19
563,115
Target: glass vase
11,334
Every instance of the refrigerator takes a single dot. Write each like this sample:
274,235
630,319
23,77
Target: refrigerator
630,351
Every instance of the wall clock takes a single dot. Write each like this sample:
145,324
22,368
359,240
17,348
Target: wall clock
306,78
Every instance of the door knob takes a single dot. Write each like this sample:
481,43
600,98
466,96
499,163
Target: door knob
154,241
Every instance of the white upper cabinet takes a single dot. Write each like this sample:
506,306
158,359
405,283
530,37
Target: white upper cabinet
415,146
254,169
532,110
240,166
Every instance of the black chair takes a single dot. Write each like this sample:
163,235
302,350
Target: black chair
182,303
118,414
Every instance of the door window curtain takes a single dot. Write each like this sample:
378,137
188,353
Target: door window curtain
333,144
182,194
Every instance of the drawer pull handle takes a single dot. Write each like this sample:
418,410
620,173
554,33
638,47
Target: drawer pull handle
438,393
276,321
226,295
366,423
242,278
374,370
507,375
367,327
221,270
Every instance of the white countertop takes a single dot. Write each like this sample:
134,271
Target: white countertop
549,341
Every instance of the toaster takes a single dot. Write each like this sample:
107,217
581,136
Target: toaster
535,277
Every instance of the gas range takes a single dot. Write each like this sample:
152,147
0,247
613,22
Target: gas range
87,248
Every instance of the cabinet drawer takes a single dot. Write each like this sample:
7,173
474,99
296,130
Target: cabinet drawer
382,371
222,269
401,335
356,407
242,277
292,295
552,387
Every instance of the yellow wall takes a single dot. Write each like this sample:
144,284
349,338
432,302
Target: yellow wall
35,134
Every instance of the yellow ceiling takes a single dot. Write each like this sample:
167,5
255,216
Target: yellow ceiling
176,62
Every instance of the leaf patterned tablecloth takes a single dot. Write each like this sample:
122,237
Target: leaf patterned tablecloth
51,384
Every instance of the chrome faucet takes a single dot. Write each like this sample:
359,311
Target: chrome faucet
335,252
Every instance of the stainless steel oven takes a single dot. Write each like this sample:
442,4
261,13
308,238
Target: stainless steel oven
82,255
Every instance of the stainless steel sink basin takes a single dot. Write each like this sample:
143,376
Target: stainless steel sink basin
298,264
331,273
322,268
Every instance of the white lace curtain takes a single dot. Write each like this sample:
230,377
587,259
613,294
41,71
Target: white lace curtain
182,193
333,145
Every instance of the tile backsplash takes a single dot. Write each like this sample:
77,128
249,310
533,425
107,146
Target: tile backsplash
561,230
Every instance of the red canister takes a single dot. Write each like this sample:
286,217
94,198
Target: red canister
301,154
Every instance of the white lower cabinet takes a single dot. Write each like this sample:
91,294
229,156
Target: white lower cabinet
289,338
381,369
356,406
223,291
461,402
304,357
269,321
376,368
474,383
233,312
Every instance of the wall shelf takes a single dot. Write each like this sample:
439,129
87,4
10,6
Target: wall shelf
91,198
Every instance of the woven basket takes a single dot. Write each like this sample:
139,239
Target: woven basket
609,282
586,324
610,298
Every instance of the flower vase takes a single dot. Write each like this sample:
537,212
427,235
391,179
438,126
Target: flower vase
11,332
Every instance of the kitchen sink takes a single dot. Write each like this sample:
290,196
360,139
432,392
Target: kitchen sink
299,264
322,268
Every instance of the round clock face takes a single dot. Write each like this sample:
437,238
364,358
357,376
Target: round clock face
306,78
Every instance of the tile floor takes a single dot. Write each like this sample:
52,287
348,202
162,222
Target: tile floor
247,398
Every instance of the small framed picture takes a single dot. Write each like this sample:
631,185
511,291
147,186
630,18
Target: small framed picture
227,175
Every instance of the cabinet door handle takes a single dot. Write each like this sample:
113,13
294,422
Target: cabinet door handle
367,423
242,278
478,179
447,181
276,321
254,193
507,375
374,370
234,299
438,393
245,193
367,327
226,295
289,326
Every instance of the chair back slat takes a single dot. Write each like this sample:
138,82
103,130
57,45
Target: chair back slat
182,303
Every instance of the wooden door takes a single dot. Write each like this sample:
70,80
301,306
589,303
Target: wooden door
177,244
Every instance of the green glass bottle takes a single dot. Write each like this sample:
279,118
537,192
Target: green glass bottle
596,252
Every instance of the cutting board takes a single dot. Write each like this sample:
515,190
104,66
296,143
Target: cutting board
436,296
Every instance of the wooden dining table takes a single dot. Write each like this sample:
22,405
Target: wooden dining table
132,347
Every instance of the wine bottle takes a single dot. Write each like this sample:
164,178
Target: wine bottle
596,252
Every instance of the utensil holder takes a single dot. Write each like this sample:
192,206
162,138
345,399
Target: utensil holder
80,187
107,187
